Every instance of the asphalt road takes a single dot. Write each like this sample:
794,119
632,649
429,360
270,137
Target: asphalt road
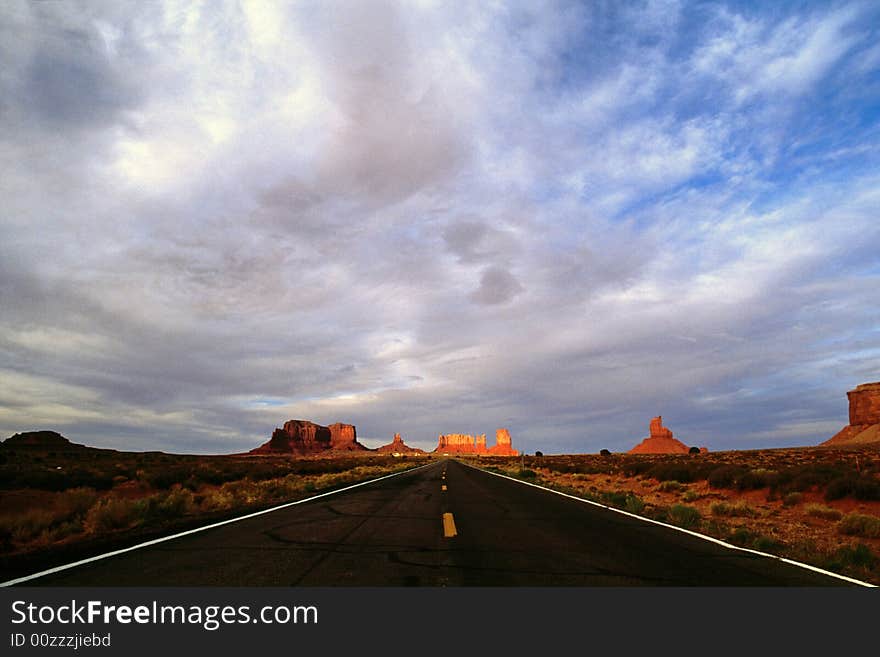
393,533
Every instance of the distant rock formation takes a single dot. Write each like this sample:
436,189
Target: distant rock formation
461,443
864,418
40,440
46,442
397,447
303,437
660,441
502,446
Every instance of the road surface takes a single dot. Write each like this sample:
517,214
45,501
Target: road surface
446,524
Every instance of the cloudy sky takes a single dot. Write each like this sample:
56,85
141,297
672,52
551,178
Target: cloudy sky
427,217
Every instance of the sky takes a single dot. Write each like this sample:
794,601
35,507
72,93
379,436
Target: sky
438,217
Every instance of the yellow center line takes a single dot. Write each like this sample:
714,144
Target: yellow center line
448,526
443,487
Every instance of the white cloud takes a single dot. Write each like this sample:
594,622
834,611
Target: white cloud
410,215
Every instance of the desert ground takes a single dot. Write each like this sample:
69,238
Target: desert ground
817,505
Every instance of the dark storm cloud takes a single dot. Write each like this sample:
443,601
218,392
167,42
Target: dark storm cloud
75,87
496,286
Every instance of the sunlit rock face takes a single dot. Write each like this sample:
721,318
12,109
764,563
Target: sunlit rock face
397,446
460,443
305,437
864,418
503,445
660,441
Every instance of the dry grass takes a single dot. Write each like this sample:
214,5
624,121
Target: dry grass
79,513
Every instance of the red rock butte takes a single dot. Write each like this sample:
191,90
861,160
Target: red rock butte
397,447
661,441
303,437
461,443
864,418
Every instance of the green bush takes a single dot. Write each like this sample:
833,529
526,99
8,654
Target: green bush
737,510
684,516
861,488
671,486
634,504
859,524
756,479
725,476
792,499
858,556
680,472
822,511
528,474
636,468
113,513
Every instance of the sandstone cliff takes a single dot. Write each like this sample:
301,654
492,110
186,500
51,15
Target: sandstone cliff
303,437
864,418
460,443
503,446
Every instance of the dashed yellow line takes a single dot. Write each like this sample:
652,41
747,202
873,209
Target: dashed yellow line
443,487
448,526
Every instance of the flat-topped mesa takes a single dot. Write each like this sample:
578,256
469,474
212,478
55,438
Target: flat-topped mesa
462,443
306,437
397,447
661,441
344,437
864,418
456,443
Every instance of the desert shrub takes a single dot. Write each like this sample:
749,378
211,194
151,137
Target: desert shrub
694,450
614,498
859,524
637,467
766,544
217,500
539,453
176,503
671,486
792,499
737,510
604,452
75,502
684,516
528,474
725,476
634,504
756,479
858,556
25,527
822,511
63,518
622,500
113,513
742,537
83,478
808,476
680,472
165,478
861,488
690,496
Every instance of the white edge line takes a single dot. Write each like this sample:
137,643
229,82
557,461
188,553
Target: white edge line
57,569
686,531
